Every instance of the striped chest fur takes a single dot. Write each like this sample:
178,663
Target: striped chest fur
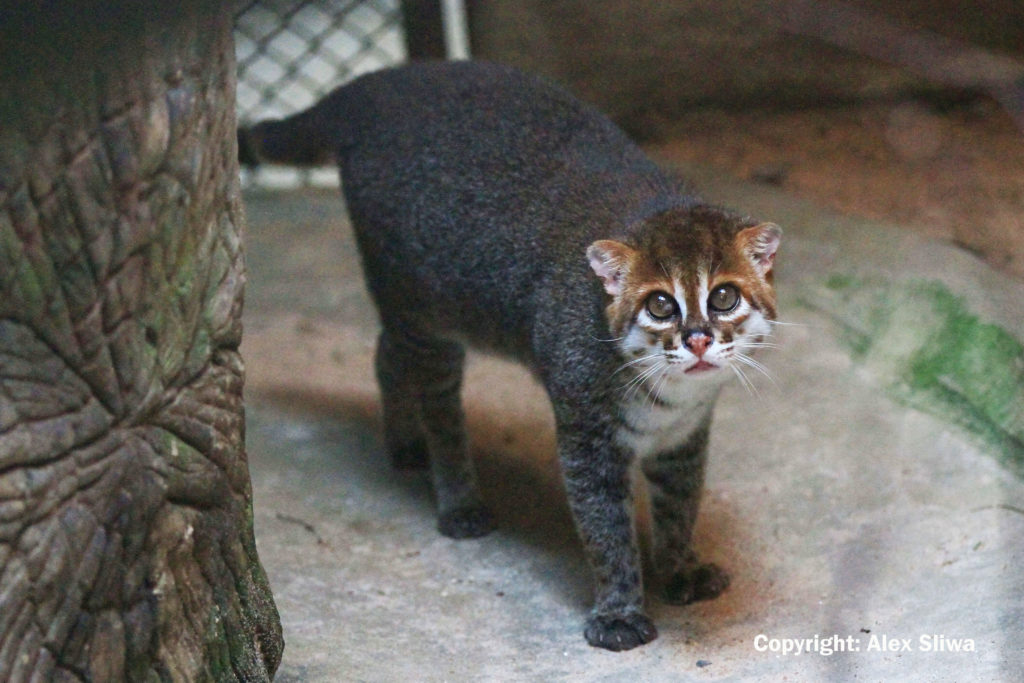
651,423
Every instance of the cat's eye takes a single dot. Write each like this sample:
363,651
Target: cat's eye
723,298
661,306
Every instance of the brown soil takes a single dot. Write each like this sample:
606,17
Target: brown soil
952,172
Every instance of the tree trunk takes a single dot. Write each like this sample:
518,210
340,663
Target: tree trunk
126,541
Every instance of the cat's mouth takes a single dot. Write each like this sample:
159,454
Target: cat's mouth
700,367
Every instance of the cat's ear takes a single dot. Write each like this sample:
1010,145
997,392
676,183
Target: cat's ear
759,244
610,261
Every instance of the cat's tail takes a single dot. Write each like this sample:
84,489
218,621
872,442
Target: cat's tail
304,139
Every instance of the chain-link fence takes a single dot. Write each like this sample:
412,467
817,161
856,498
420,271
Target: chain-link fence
291,52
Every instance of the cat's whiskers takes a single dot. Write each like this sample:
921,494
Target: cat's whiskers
633,362
659,385
608,341
756,365
655,388
771,332
639,377
786,324
634,385
760,345
745,381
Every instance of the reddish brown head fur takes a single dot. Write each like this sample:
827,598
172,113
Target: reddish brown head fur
687,272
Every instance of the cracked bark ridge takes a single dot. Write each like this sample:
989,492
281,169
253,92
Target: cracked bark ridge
126,542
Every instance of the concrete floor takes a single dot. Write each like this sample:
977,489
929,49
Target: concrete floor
847,498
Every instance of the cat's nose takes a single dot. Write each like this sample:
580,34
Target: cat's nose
698,343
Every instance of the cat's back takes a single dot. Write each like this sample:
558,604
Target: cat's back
467,107
468,177
485,140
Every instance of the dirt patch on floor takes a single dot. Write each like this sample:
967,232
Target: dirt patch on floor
954,171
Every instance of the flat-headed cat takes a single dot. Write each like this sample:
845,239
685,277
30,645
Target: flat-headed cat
495,210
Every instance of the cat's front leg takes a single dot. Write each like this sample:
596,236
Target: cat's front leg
596,475
675,480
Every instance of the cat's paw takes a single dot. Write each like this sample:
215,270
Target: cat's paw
619,632
466,522
410,456
703,582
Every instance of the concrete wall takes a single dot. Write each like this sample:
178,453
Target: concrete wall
643,58
645,62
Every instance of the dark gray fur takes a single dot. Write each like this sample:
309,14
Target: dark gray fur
475,191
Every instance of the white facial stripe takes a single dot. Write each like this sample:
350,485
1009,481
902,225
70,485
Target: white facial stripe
702,293
678,293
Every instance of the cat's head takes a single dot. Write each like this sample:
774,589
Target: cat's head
692,293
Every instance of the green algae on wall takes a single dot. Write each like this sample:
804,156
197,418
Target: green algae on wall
935,355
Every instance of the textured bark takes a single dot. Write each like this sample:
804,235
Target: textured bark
126,542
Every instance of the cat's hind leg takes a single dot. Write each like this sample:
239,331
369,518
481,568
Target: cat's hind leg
675,480
421,382
404,434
